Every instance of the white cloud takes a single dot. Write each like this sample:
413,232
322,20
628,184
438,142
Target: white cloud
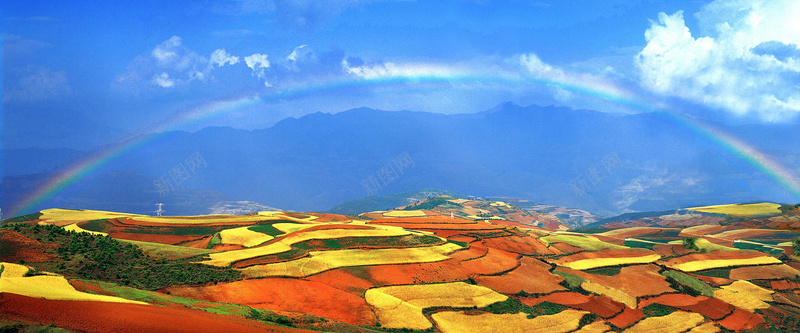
163,80
171,64
36,85
297,52
258,63
220,57
747,63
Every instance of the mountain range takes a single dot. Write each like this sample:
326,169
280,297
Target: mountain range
604,163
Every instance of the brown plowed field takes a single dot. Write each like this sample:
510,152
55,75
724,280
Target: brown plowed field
15,247
710,307
155,238
522,245
771,272
495,262
741,319
433,272
626,318
87,316
291,295
532,276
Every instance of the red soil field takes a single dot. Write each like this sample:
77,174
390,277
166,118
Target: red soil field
434,272
669,250
602,306
612,240
327,217
510,223
551,225
120,317
466,239
741,319
15,247
495,262
626,318
89,287
770,272
522,245
201,243
349,279
562,248
637,281
476,250
532,276
714,281
281,294
784,285
710,307
741,254
567,298
154,238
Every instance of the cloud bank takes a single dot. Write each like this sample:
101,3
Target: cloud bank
747,62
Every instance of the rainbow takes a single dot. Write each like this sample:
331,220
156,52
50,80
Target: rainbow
417,76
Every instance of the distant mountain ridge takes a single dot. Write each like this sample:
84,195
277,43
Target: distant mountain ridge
603,163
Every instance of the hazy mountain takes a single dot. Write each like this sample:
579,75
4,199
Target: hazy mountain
599,162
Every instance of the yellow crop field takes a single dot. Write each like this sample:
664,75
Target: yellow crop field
708,327
704,244
452,322
243,236
595,327
74,227
584,264
678,321
401,306
732,234
458,201
405,213
585,242
53,287
613,293
320,261
285,242
500,204
698,229
700,265
745,295
80,215
287,228
764,208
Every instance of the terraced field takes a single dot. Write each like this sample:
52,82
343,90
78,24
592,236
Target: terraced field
415,269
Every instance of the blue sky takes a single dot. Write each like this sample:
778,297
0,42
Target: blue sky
123,66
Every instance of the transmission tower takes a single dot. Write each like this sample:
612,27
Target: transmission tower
159,209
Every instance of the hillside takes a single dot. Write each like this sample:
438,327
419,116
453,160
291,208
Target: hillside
415,268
